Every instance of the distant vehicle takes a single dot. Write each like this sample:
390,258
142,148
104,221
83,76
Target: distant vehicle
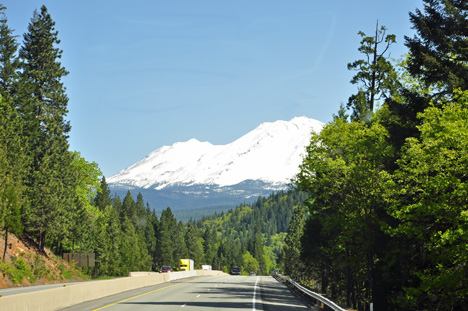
206,267
252,274
236,271
186,265
165,269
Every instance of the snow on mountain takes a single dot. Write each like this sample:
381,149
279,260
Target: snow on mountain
271,153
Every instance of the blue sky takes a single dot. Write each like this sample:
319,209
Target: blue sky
144,74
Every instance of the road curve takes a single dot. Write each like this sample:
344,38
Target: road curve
220,293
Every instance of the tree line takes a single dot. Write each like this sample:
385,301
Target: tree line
44,185
386,219
127,235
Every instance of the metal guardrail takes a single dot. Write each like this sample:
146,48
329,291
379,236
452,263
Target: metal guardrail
310,293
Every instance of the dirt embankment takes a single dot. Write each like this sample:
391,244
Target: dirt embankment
24,265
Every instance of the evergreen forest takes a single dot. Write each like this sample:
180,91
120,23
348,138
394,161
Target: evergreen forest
377,215
387,179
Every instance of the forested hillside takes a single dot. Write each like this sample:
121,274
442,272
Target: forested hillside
249,236
252,235
44,186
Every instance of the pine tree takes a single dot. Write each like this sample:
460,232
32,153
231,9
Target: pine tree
140,207
43,97
375,76
108,255
256,248
133,251
103,196
117,203
128,208
178,240
11,187
12,159
43,104
9,63
78,226
194,245
165,244
439,50
209,245
291,252
149,235
141,216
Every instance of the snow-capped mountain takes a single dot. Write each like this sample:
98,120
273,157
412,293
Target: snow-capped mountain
270,153
263,160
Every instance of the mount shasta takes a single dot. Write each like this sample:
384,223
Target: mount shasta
195,174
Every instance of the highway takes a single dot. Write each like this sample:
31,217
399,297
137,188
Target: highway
208,293
34,288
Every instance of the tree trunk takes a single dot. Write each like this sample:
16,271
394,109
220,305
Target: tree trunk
6,244
374,64
41,242
349,285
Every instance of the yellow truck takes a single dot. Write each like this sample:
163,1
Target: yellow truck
186,265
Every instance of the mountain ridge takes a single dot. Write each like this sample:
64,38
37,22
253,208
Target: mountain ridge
195,174
270,153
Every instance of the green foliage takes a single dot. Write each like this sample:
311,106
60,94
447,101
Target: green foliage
388,224
167,227
20,271
291,261
9,63
87,179
42,103
39,269
343,239
255,247
250,264
439,50
65,273
12,170
375,75
431,206
194,245
5,267
103,195
240,231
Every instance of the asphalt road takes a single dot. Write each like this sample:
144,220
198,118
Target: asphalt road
220,293
34,288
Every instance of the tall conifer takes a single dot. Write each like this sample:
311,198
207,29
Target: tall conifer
165,245
12,159
375,75
291,252
439,50
11,172
103,196
43,104
9,62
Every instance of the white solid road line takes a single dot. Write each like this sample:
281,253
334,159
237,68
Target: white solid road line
254,294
